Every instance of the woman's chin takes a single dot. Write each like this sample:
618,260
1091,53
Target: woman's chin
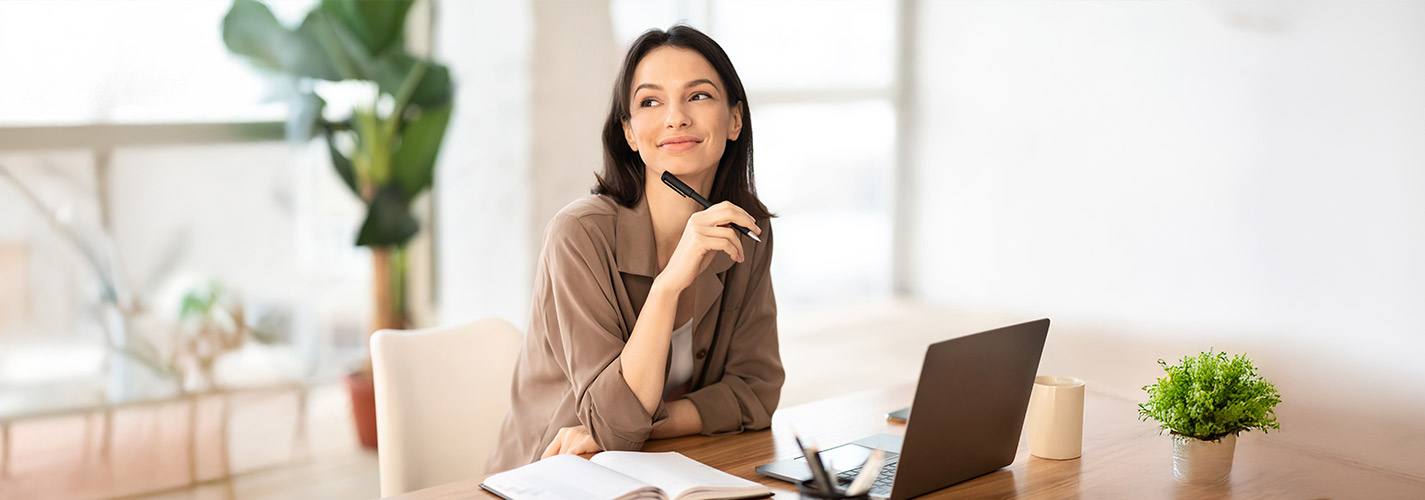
683,167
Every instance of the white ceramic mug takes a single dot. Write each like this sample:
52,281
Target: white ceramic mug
1055,420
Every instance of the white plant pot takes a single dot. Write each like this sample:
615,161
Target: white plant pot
1202,462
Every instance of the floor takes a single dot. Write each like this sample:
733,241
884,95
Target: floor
149,455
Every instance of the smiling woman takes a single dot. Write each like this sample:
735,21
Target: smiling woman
712,95
652,318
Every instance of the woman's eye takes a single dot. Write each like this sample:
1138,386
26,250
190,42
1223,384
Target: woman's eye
647,103
701,96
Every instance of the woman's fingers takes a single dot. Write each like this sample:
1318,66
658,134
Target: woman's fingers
722,238
726,213
742,218
571,441
553,448
707,231
584,444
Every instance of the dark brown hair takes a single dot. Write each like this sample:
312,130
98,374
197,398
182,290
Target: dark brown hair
622,176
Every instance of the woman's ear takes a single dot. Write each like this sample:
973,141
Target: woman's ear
628,136
734,126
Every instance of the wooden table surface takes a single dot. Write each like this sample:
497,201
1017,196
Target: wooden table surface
1122,458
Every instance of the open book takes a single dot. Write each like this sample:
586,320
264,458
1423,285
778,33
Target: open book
620,475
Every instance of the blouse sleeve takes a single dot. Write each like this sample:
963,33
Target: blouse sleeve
751,385
581,322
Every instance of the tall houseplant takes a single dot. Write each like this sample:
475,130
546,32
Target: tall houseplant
385,148
1206,401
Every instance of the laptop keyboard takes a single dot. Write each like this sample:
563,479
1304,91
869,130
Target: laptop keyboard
882,485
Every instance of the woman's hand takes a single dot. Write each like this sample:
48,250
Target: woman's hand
706,234
571,441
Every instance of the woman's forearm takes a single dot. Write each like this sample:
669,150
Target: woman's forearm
683,419
645,355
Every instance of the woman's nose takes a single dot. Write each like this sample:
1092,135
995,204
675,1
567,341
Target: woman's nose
676,118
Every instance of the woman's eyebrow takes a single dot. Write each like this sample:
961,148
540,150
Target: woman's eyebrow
700,81
688,85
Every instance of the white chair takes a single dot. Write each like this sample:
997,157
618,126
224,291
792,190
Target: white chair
441,394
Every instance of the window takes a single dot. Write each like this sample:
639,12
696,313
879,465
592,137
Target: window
265,219
136,61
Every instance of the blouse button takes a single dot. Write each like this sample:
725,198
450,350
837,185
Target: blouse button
702,353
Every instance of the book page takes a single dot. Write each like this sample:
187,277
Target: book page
568,477
681,477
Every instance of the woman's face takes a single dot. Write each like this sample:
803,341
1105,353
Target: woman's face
680,119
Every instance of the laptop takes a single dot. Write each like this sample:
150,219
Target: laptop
969,410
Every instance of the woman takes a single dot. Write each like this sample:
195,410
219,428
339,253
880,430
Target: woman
651,317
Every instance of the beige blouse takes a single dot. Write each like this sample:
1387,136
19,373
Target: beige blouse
594,274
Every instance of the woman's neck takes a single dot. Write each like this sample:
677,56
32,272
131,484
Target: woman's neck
670,211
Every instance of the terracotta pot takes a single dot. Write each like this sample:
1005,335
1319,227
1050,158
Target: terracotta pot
1202,462
363,407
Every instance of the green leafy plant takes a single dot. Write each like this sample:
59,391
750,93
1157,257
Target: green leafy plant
1211,395
213,321
385,149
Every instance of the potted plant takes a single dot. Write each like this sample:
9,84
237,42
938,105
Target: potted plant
384,149
1206,401
212,322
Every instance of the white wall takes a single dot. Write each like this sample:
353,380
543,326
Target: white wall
482,196
532,81
574,66
1174,176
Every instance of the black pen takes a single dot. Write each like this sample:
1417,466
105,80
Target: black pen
688,192
819,475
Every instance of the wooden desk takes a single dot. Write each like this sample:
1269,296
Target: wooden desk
1123,458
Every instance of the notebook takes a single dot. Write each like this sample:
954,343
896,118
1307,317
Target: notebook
621,475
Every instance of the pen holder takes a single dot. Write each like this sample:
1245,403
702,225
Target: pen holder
807,489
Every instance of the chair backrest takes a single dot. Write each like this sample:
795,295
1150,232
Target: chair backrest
441,394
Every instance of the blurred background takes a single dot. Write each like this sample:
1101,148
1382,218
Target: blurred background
181,295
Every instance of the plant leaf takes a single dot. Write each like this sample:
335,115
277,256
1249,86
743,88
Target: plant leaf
377,24
389,70
1211,395
193,305
250,29
341,163
388,219
413,166
435,89
339,47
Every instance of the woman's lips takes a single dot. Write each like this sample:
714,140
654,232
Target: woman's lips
680,143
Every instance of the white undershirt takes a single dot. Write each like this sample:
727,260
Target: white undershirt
680,356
